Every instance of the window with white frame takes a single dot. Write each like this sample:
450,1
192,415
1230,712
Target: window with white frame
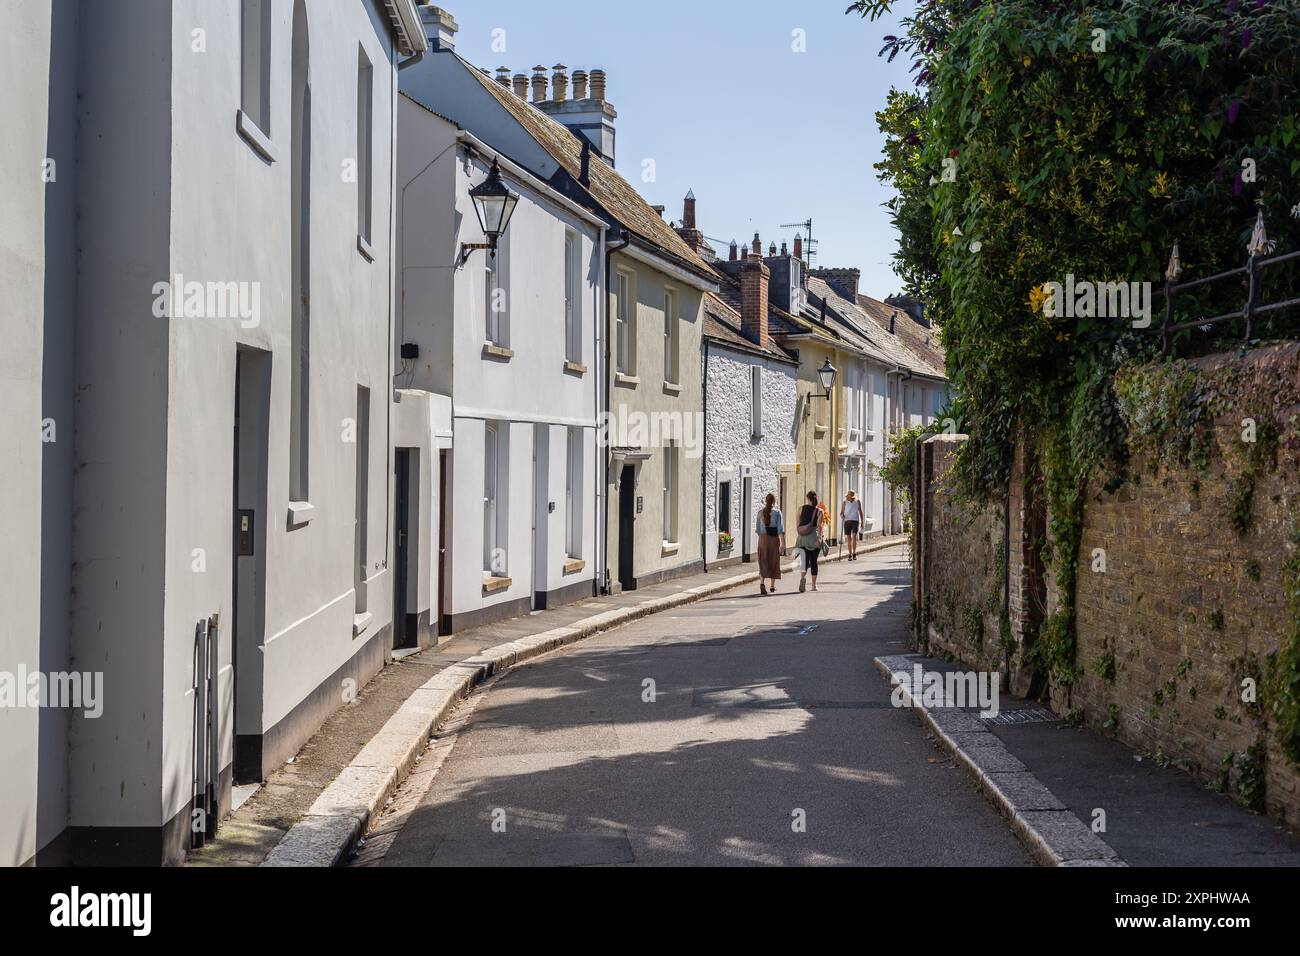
724,507
756,401
365,148
670,493
495,456
572,302
670,336
624,324
255,62
573,495
495,304
869,416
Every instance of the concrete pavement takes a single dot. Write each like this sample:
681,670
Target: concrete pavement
738,730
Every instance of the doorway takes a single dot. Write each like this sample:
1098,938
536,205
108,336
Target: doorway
248,556
626,527
405,628
442,603
746,517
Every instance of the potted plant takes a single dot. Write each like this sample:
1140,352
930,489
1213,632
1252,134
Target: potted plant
725,541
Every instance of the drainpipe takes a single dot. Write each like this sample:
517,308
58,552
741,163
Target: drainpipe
704,467
597,465
610,249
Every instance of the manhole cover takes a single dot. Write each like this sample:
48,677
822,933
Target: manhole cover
1023,715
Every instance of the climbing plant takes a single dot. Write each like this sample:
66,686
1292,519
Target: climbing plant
1048,142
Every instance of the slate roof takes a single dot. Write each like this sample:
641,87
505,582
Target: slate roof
867,321
722,324
605,185
920,339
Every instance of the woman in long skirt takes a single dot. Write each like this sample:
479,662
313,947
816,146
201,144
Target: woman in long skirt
770,526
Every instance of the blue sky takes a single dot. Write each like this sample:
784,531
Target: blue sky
713,92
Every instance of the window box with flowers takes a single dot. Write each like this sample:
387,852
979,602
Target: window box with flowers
725,542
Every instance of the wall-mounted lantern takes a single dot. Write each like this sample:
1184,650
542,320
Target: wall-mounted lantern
495,204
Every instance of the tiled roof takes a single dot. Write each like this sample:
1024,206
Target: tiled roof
866,328
920,339
605,185
722,323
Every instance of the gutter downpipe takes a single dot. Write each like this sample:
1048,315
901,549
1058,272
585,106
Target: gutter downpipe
704,466
609,249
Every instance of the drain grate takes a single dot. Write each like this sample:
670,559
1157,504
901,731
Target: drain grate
1023,715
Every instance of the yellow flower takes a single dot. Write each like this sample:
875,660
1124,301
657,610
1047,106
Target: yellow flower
1037,297
1161,188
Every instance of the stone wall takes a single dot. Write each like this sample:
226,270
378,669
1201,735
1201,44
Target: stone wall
1187,578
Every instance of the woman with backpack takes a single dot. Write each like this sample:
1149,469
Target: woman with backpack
770,525
810,538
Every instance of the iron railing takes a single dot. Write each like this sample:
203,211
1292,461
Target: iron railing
1258,261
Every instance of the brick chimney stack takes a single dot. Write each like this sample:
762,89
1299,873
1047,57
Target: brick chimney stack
539,84
579,84
521,86
690,235
754,279
843,281
560,83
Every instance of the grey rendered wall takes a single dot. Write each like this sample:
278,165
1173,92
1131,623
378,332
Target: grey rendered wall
120,490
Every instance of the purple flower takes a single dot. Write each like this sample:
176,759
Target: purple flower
1232,6
1234,110
1237,186
1245,38
1259,4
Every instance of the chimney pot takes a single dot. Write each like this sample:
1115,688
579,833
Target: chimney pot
539,84
579,84
754,279
734,251
757,248
560,83
771,251
598,85
439,26
784,251
688,210
798,245
503,76
521,85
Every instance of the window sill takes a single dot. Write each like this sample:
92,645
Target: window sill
671,388
300,513
575,368
819,430
574,565
670,548
491,585
360,622
364,248
869,435
497,353
254,136
626,381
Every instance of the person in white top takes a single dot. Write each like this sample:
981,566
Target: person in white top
851,519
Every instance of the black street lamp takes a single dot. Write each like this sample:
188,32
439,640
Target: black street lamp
826,374
495,204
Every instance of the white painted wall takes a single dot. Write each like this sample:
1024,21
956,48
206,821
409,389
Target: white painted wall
732,449
25,49
442,309
176,189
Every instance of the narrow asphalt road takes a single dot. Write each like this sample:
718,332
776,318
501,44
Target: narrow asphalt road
739,730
